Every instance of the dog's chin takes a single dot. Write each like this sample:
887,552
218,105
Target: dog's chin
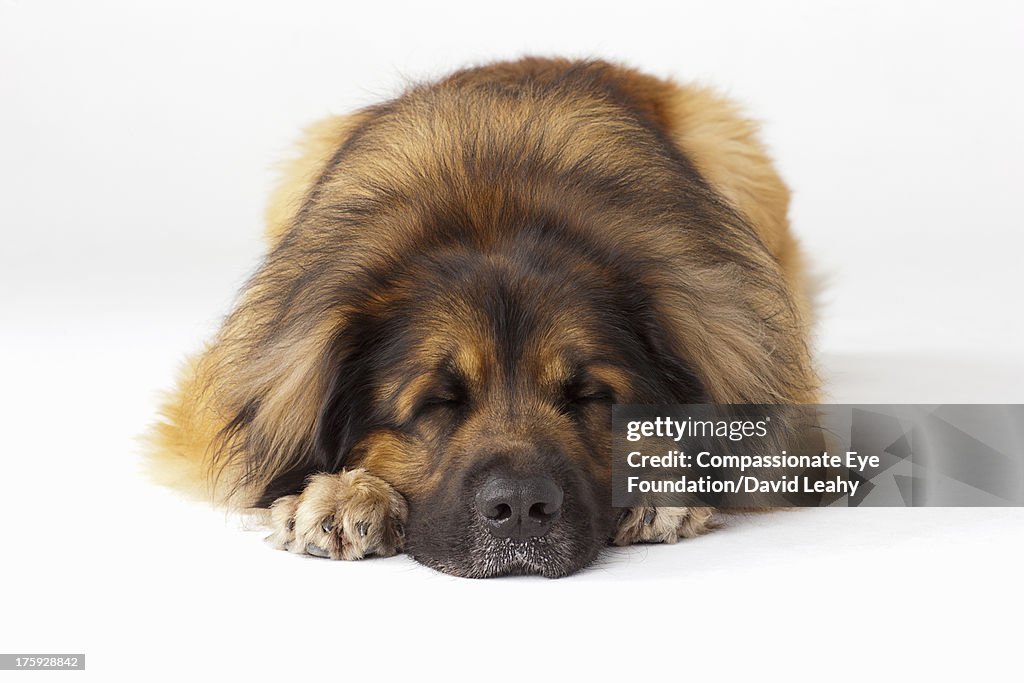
558,553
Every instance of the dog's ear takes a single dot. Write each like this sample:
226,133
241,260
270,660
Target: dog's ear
681,382
347,411
652,350
345,416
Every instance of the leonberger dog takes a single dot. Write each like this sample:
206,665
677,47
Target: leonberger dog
458,285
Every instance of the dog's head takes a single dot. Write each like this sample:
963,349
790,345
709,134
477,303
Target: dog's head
475,372
480,384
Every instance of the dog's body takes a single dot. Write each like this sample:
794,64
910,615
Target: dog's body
459,283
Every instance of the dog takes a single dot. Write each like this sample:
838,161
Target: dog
458,285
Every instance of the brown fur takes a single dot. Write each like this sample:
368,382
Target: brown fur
652,169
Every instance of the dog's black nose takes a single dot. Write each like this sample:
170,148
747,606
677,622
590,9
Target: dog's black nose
519,508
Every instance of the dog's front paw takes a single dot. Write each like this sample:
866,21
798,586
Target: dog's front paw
343,516
662,525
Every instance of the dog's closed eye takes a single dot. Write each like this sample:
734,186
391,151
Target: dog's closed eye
447,400
449,394
582,392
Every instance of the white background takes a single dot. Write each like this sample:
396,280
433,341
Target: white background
137,144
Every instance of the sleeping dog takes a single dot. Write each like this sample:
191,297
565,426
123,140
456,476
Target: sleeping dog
458,285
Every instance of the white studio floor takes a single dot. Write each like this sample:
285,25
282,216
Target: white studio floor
130,200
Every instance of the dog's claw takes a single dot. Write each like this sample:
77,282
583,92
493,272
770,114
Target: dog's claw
315,550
